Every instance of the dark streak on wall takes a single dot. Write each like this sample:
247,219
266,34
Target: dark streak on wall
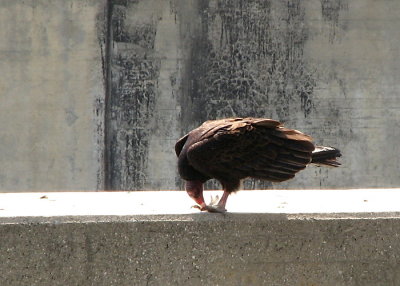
249,62
134,72
331,10
103,26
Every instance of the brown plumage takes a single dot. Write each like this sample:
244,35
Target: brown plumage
232,149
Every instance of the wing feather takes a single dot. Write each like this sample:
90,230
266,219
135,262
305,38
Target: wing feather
265,122
180,143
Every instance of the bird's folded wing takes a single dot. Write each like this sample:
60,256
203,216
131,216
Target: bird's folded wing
244,148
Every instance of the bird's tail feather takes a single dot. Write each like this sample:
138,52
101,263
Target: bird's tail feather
326,156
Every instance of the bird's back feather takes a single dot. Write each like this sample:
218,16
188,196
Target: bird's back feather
235,148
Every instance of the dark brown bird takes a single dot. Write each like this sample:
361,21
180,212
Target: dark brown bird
232,149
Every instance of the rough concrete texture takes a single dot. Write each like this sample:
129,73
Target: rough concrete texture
201,249
90,239
51,95
224,251
326,67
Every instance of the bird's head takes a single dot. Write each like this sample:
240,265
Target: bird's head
195,190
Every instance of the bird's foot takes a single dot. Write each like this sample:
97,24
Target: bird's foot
211,208
214,207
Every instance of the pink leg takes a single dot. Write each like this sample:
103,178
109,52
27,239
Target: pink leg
222,201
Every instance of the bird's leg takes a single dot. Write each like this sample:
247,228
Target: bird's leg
222,202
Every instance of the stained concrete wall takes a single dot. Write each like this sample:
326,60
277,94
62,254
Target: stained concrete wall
329,68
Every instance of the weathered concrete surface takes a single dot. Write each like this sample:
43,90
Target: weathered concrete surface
51,84
328,68
142,115
189,248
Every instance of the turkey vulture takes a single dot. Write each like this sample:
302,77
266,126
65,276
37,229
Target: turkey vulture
232,149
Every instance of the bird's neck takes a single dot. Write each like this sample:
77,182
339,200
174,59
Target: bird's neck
187,172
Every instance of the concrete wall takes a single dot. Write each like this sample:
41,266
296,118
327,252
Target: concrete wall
238,250
51,92
329,68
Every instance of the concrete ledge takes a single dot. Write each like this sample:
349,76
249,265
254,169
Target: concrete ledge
343,237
